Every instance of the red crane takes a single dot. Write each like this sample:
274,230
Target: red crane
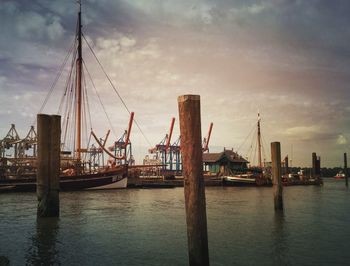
207,139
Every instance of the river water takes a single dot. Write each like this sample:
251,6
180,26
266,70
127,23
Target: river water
147,227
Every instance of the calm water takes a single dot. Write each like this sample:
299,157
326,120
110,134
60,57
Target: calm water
147,227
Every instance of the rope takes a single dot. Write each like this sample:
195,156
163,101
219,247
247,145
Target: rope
68,81
55,80
99,98
114,88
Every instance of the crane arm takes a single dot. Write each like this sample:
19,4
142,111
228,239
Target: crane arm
170,133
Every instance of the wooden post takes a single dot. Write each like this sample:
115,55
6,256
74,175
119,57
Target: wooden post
286,166
277,175
49,134
346,170
314,162
192,162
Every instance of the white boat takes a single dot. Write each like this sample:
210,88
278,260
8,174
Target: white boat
339,175
239,180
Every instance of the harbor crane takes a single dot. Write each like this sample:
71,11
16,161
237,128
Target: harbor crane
168,153
205,145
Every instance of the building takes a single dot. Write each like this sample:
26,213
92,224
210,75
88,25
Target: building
224,162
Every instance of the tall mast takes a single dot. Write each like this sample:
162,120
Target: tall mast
259,142
78,87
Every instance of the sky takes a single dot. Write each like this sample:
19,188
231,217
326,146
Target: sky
289,60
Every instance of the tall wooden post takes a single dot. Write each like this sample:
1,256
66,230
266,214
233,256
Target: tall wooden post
49,135
192,161
346,170
277,175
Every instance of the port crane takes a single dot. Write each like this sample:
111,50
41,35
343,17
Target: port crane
205,145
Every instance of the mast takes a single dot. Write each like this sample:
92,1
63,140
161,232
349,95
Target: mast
259,143
78,87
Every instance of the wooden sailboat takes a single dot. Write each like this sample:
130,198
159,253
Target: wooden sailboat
76,173
250,178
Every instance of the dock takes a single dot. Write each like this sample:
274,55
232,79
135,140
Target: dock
161,182
209,181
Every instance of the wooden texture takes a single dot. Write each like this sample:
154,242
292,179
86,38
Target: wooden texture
277,175
49,134
192,162
346,169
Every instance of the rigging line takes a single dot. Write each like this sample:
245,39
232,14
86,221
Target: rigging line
99,98
251,131
56,79
85,108
252,143
67,138
264,141
110,81
70,101
87,100
69,77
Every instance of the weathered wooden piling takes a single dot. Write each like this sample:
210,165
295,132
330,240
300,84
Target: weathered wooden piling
277,175
286,165
346,170
314,162
49,135
192,162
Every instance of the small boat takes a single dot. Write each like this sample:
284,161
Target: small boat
239,180
246,180
339,175
255,176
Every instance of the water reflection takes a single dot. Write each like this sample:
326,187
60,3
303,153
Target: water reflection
43,249
280,240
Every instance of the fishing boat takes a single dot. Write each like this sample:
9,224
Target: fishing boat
254,176
82,167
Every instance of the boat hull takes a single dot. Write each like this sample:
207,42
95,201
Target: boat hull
106,180
237,181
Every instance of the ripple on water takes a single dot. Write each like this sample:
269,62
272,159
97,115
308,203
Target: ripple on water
148,227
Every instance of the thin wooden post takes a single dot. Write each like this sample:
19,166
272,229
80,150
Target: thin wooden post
49,134
314,162
286,165
277,175
192,162
346,170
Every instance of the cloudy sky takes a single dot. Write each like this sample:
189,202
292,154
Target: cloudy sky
287,59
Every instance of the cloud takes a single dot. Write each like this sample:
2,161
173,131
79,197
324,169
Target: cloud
309,133
341,140
288,59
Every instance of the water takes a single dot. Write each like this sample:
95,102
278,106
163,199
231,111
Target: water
147,227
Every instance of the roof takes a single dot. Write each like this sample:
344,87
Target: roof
228,154
212,157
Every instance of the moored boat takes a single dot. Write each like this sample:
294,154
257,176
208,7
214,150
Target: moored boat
339,175
82,165
102,180
246,180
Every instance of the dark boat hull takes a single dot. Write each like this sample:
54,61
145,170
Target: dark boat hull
105,180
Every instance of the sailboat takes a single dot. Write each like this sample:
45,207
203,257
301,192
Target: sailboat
253,177
77,173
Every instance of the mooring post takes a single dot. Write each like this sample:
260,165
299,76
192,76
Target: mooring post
277,175
192,161
286,165
346,170
49,135
314,162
